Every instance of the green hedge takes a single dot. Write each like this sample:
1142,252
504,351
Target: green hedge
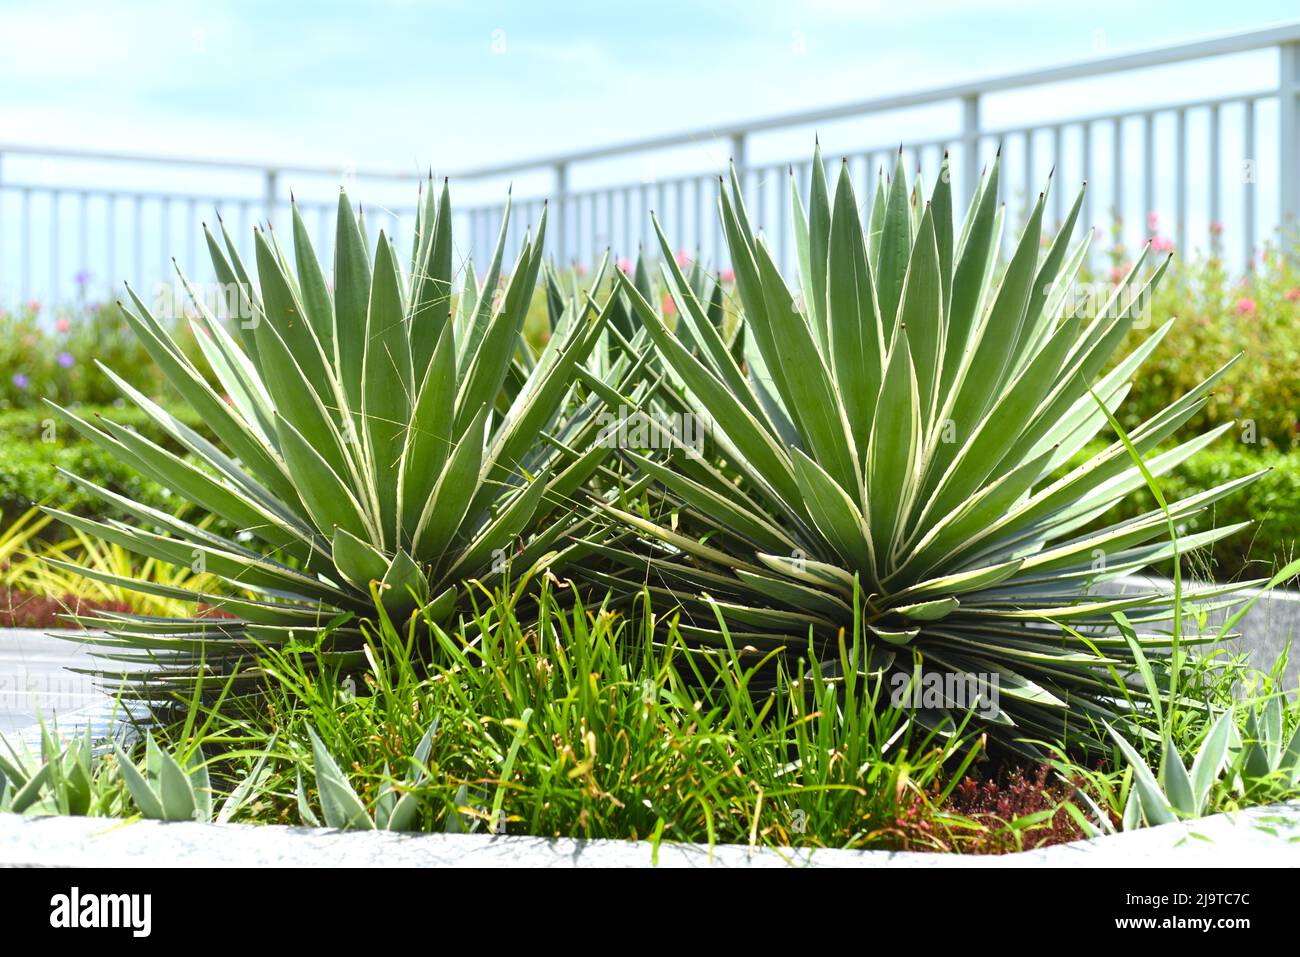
1272,503
33,442
27,475
37,424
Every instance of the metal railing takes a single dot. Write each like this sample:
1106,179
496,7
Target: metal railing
1191,163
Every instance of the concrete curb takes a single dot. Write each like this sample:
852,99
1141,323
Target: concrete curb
1265,629
1258,837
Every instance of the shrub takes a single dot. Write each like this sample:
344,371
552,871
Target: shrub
36,472
56,356
1220,316
35,445
1269,505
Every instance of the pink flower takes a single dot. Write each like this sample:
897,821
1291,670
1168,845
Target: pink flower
33,306
668,307
727,275
1216,228
1153,221
1292,294
1245,306
1117,273
1162,244
625,265
62,325
682,258
579,270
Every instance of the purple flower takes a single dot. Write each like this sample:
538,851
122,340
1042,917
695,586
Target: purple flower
83,279
20,381
66,360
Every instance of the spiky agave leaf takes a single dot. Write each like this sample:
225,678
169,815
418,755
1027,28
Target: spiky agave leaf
368,444
887,452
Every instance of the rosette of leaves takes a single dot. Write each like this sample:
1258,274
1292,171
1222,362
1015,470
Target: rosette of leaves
895,456
380,441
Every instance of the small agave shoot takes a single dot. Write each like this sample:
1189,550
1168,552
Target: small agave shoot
379,448
887,462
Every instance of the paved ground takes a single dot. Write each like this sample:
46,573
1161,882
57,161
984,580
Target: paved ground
33,678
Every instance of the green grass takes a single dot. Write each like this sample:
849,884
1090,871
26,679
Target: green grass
592,724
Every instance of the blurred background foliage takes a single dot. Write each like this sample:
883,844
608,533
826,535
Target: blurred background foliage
54,353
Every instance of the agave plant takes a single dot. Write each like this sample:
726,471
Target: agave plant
58,780
375,447
171,788
1261,761
893,456
397,805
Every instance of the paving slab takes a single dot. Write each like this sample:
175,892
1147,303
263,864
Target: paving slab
35,680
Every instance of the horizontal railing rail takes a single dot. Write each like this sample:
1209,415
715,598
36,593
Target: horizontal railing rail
1220,171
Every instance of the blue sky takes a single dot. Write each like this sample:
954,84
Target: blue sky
454,85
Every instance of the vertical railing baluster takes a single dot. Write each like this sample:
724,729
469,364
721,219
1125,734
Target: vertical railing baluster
970,141
607,242
627,252
657,208
782,217
593,242
323,236
701,206
110,230
1148,168
1117,169
1180,181
270,193
166,231
55,268
1085,135
1028,173
1288,102
1058,190
83,237
715,229
680,235
1248,174
245,236
640,215
137,216
560,188
25,247
1216,211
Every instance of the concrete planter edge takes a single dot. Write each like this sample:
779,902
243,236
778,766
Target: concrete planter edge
1255,837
